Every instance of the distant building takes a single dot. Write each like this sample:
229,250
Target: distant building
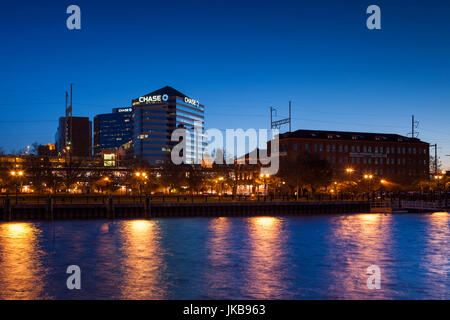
81,130
392,156
156,115
48,150
112,130
116,157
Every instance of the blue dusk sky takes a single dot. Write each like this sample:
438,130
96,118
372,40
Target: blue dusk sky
237,58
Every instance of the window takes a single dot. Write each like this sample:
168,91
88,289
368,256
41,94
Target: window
295,147
306,147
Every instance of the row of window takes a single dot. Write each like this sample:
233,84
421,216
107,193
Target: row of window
377,161
352,148
392,171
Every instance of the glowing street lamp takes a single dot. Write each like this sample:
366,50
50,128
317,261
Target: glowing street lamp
368,177
141,175
265,176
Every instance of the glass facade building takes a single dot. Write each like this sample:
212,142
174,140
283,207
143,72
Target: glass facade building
155,117
112,130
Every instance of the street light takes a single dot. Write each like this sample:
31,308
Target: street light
438,178
221,184
142,176
368,177
17,174
265,176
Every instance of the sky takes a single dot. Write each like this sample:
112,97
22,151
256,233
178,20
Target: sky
238,58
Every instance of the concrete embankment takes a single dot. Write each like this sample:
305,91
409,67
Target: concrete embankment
111,210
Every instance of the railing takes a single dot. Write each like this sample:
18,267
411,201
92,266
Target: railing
27,199
422,205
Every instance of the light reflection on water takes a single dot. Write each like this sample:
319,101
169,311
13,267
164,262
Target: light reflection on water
314,257
21,268
266,261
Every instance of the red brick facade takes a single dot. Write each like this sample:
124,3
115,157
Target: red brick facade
390,156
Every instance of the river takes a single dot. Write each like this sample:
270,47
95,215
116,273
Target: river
304,257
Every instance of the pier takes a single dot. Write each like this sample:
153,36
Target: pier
103,207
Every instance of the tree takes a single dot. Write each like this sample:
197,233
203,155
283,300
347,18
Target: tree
73,173
172,176
195,178
305,171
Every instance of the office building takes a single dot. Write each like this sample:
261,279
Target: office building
112,130
155,117
80,131
393,156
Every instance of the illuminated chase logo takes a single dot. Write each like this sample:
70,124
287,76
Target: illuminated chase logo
163,98
124,110
192,101
154,99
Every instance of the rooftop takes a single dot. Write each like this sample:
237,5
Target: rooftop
348,135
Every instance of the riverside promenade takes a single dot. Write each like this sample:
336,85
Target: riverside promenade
122,207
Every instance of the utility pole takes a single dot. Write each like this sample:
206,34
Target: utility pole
435,157
414,126
277,124
290,119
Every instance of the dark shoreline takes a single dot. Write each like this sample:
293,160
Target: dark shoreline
110,210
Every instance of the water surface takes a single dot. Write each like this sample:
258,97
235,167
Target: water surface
310,257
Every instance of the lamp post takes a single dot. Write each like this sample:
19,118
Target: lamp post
221,185
369,178
141,176
106,179
438,179
16,175
265,176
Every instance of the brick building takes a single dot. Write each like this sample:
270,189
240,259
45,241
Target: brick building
390,156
